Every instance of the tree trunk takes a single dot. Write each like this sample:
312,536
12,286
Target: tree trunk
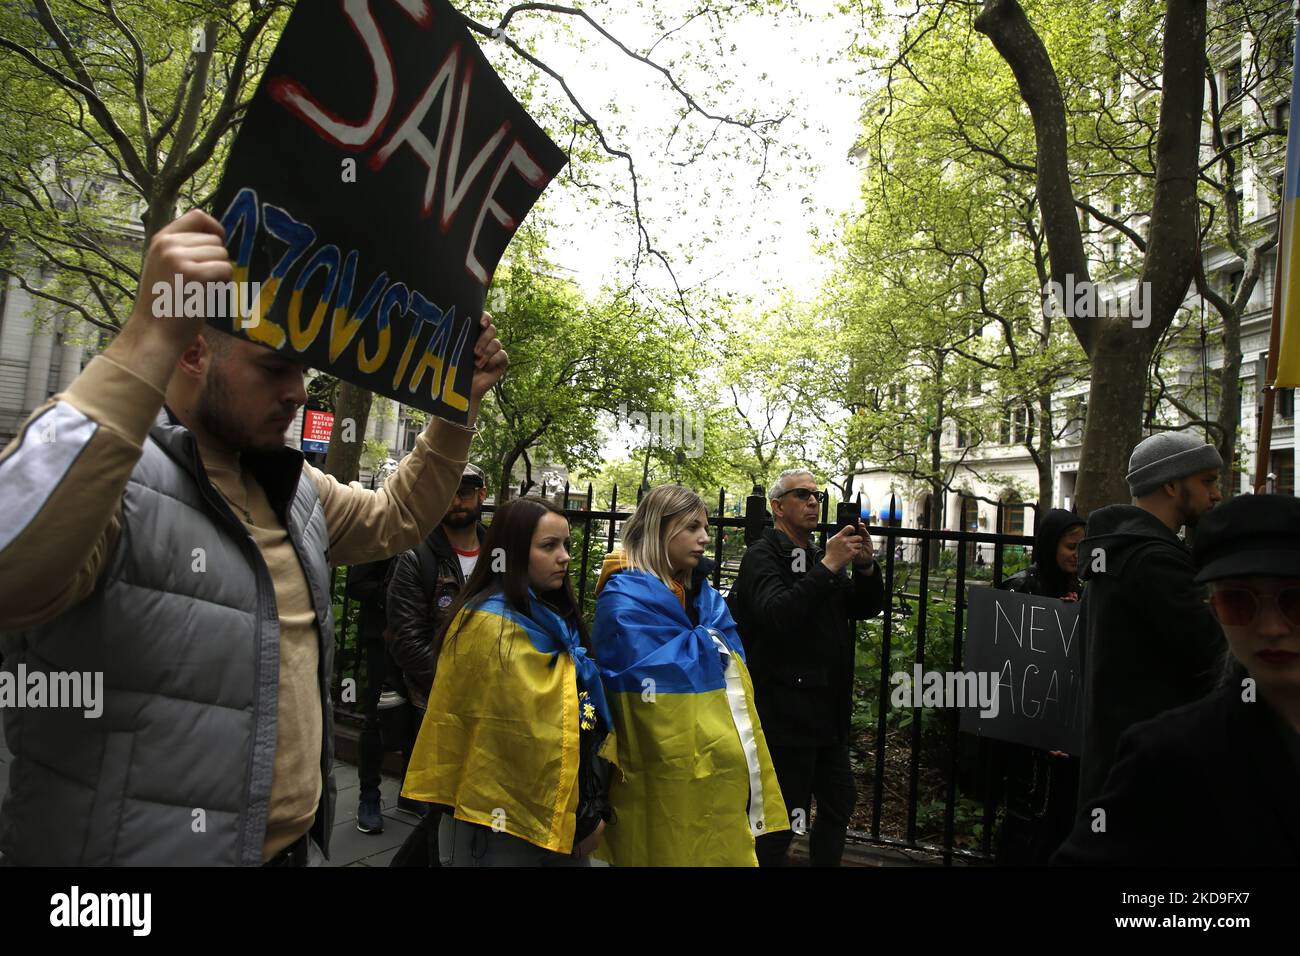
1119,353
507,469
343,459
936,477
1230,402
1116,398
1045,451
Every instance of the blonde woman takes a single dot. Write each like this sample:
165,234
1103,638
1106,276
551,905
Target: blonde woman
696,784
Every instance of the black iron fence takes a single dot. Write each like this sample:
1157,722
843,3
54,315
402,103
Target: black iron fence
923,621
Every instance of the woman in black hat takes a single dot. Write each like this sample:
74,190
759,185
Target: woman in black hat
1041,787
1217,782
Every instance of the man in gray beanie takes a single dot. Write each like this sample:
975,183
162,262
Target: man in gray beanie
1150,640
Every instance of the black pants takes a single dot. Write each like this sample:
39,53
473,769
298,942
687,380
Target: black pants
420,848
374,741
1041,795
807,774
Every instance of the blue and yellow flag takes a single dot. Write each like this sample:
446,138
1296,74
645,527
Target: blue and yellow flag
696,783
500,739
1288,250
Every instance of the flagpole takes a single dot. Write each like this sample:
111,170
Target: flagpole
1265,444
1264,447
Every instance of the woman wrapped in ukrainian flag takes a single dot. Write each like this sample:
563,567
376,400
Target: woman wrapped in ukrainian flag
695,783
508,747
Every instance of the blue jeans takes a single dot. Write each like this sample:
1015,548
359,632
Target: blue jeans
468,844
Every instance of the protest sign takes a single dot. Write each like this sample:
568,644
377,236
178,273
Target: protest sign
1032,644
376,180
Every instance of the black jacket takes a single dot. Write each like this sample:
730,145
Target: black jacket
1211,783
799,640
424,582
1151,642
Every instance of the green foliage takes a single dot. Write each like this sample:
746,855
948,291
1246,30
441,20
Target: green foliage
571,359
374,451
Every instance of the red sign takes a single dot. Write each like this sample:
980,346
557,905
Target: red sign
317,426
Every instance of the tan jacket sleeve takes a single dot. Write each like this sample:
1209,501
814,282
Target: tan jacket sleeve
61,484
369,525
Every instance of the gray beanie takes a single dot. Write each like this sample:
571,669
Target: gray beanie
1168,456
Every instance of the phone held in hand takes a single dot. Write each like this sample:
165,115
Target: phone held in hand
847,515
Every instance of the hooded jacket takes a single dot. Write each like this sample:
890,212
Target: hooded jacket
1151,642
1044,576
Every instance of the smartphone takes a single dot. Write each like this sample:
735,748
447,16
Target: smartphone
847,515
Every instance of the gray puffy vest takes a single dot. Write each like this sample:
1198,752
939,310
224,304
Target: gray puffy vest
191,679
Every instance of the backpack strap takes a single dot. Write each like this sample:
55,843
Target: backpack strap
428,562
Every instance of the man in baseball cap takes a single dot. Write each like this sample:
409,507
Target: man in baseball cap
1150,641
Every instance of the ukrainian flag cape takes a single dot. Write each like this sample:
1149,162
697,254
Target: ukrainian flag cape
697,783
499,742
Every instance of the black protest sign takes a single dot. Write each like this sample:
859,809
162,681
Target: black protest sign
1031,644
378,176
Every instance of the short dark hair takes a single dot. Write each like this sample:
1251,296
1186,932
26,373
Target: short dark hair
219,343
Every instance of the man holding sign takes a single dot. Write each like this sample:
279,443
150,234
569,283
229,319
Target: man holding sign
157,530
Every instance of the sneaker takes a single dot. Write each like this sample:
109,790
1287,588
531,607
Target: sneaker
369,819
412,806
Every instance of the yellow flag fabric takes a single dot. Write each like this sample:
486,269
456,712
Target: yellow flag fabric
500,739
1288,250
695,784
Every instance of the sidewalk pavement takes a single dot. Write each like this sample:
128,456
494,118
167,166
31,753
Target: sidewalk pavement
350,847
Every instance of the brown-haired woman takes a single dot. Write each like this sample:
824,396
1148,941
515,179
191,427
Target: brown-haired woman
516,715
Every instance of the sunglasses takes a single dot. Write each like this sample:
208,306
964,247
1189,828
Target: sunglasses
1240,606
803,494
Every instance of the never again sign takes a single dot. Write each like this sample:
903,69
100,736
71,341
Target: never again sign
380,173
1031,644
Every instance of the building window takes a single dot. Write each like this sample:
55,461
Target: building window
1282,465
1232,82
1282,115
409,443
1013,519
1232,280
1284,403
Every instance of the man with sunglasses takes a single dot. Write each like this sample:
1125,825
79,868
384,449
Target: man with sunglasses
1215,782
1150,641
794,607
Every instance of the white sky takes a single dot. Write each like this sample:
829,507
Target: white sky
748,242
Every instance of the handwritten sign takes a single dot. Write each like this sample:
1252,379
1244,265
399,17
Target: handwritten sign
1032,644
379,174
